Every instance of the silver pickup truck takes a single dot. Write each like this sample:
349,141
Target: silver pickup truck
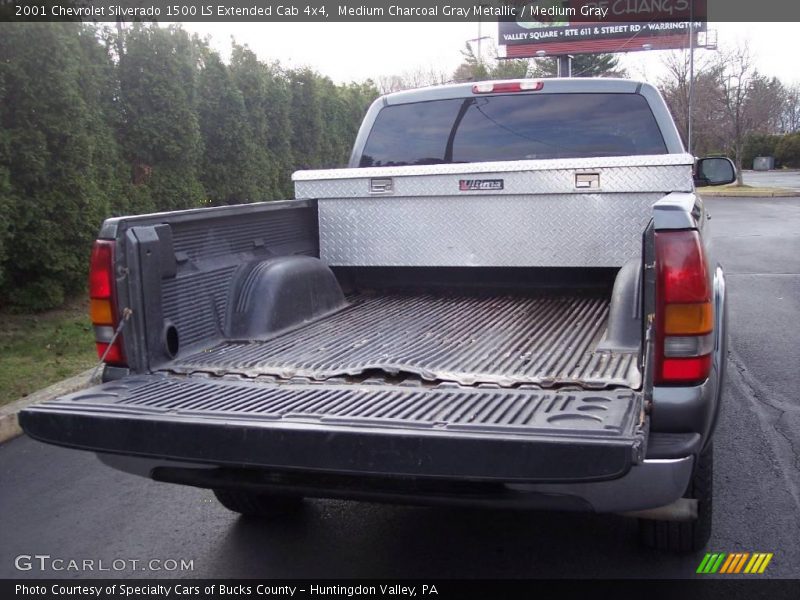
508,299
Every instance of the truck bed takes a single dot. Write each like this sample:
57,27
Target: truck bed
501,339
428,384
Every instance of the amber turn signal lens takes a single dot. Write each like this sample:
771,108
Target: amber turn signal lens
100,312
688,319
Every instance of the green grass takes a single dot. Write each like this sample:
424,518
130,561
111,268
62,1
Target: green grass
745,190
39,350
744,186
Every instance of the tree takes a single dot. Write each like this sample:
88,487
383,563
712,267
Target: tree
99,84
160,132
7,201
266,100
760,144
790,111
516,68
228,162
751,102
52,157
413,78
325,118
708,115
306,117
474,68
583,65
787,150
97,122
334,137
343,108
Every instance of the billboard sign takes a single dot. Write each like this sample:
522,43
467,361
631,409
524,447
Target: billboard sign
582,26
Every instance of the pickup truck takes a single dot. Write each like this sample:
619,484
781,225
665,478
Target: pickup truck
508,299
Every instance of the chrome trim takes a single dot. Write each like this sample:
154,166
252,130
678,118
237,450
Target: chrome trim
683,509
654,483
381,185
506,166
143,467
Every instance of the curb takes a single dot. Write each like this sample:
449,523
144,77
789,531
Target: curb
9,425
777,193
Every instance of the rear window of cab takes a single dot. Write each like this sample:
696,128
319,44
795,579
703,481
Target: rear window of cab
512,127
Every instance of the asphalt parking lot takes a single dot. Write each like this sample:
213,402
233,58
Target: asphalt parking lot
784,179
66,504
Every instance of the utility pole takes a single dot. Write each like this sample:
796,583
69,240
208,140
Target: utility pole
478,39
691,75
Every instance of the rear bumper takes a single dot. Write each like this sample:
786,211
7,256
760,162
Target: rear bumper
454,445
652,484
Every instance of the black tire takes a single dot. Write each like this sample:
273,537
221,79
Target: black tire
253,504
686,536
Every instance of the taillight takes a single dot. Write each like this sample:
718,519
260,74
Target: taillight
527,85
102,308
684,310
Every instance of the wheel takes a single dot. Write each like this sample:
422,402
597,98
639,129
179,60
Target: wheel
686,536
253,504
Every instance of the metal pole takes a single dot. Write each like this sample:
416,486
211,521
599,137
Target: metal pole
691,74
564,65
480,56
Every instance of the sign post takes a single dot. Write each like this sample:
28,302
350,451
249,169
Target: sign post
564,65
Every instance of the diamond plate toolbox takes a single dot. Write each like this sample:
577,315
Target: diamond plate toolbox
514,214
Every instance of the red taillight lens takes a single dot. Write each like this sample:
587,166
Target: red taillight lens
681,267
115,354
101,270
103,302
685,370
507,86
684,311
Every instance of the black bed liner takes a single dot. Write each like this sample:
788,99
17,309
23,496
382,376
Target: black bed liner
502,339
445,431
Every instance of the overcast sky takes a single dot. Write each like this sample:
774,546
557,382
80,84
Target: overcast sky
356,51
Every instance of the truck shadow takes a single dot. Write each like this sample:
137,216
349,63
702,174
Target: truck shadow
349,539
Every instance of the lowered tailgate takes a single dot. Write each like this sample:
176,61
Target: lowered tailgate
446,431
